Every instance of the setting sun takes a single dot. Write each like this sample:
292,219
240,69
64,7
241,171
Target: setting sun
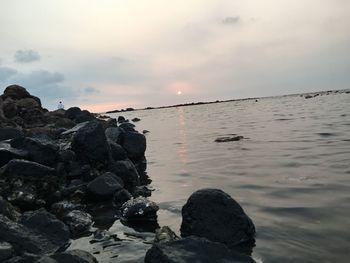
179,92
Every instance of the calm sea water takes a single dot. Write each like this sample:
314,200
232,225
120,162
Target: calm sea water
290,173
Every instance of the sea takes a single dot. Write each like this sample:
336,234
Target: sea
290,172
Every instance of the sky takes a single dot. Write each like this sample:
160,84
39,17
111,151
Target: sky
108,54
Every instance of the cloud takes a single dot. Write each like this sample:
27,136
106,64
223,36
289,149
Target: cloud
231,20
26,56
6,73
90,90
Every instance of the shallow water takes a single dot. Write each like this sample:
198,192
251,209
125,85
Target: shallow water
291,172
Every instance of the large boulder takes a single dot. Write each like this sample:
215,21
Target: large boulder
84,116
24,168
16,92
72,113
127,172
27,103
9,108
193,249
79,222
8,153
134,144
90,143
139,209
39,151
118,153
7,133
103,187
114,133
45,222
213,214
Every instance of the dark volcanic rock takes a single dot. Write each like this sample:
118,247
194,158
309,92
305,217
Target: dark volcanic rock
229,139
79,222
8,153
194,249
127,172
10,133
6,250
17,167
103,187
16,92
72,113
118,153
127,126
90,143
136,119
60,209
113,134
38,151
121,119
74,256
121,196
25,238
45,222
213,214
8,210
84,116
139,209
134,144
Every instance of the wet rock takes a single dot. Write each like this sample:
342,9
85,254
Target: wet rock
103,187
127,172
60,209
16,92
134,144
90,143
45,222
6,251
229,139
165,234
121,196
8,210
79,222
127,126
10,133
118,153
139,209
39,151
193,249
25,238
142,191
8,153
145,131
308,97
113,134
136,119
17,167
74,256
213,214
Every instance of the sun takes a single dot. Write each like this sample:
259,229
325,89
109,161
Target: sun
179,92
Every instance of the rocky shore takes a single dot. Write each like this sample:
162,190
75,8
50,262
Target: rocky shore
69,174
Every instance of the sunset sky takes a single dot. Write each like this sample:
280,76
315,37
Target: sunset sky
110,54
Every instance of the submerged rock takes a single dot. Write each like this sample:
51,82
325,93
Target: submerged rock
229,139
136,119
213,214
194,249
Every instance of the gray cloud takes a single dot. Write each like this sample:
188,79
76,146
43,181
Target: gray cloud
26,56
231,20
6,73
91,90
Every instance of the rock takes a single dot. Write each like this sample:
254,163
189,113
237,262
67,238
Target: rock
90,143
72,113
6,251
79,222
10,133
27,103
75,128
26,258
62,208
142,191
145,131
24,168
165,234
134,144
193,249
64,123
112,122
103,187
127,126
136,119
118,153
67,156
308,97
127,172
8,210
229,139
121,119
121,196
25,238
113,133
39,151
9,108
213,214
16,92
8,153
84,116
74,256
45,222
139,209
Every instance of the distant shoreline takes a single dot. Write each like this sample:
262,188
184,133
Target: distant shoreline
306,95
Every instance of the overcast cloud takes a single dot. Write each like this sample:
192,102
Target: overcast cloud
140,53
